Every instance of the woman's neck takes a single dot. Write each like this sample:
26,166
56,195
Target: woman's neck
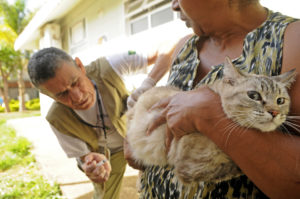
242,21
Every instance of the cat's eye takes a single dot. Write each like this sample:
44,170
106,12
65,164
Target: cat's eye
254,95
280,100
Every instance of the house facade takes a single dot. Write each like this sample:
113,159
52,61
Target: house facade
91,28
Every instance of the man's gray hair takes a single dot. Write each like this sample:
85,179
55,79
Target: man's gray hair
44,63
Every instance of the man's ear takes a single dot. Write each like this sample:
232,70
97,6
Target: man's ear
79,64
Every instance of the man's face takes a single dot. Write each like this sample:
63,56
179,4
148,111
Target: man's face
71,86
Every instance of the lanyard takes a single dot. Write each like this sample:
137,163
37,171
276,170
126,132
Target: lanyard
103,127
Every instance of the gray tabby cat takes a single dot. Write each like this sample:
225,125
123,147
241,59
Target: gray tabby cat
252,101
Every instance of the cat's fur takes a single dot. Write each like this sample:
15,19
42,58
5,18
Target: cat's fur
194,156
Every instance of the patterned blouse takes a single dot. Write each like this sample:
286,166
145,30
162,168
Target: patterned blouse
262,54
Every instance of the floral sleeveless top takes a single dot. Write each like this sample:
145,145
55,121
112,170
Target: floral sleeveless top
262,54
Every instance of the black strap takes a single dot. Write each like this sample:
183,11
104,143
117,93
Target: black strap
104,128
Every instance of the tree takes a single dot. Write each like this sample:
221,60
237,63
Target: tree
16,17
8,57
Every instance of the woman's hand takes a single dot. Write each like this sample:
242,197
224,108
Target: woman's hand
96,167
187,112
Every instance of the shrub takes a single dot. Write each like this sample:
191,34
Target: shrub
13,149
27,183
19,174
33,104
14,105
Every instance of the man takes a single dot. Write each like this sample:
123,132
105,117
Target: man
88,113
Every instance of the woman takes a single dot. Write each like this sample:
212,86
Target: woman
258,41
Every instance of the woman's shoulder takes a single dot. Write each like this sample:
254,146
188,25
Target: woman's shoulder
291,46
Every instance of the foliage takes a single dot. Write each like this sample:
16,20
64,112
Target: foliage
14,150
33,104
7,35
14,105
13,19
20,177
9,58
16,16
27,183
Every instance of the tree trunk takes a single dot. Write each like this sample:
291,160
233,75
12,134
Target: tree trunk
5,94
5,90
21,89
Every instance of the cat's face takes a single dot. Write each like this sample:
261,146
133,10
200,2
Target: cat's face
255,101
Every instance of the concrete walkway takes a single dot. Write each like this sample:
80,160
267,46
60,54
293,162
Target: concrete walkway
52,160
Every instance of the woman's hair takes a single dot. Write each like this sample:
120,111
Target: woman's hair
44,63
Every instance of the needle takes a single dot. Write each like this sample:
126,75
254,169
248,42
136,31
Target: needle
101,163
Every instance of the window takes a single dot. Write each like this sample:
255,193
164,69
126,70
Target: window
146,14
139,25
78,32
161,17
78,36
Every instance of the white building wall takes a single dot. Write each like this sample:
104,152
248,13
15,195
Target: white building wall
103,19
286,7
50,37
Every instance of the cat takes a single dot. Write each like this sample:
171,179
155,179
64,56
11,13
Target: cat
252,101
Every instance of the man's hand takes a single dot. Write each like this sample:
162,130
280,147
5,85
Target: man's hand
96,167
146,85
128,156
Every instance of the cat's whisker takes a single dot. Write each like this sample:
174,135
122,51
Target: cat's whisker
230,128
293,117
291,120
224,118
285,129
288,122
228,135
292,125
249,123
288,132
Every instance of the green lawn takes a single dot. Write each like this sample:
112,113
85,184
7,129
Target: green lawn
20,177
14,115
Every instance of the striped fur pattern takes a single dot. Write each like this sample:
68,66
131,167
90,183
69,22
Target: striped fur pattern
252,101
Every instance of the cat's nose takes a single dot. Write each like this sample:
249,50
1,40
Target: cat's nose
273,113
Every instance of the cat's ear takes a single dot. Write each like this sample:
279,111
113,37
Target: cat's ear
286,78
230,72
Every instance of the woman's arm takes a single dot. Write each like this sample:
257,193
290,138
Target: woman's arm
271,160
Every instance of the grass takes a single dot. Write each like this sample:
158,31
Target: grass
27,183
14,150
14,115
19,173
